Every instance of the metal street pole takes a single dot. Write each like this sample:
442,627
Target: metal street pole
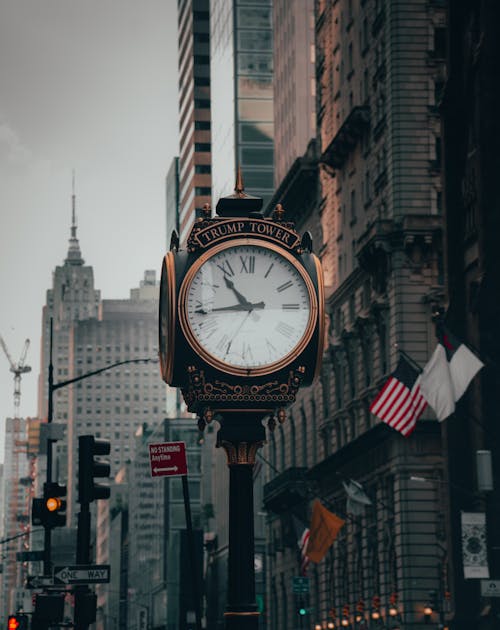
52,387
192,557
241,437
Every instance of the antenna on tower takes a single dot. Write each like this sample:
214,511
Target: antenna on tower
73,206
18,369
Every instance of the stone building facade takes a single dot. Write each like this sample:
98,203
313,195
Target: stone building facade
470,119
377,226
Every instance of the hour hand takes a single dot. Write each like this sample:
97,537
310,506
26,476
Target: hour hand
230,285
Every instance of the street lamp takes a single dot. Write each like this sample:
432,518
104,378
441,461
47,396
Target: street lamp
53,387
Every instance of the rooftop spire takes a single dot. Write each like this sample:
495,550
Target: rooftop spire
74,254
73,206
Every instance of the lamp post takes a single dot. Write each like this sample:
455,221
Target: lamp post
241,330
53,387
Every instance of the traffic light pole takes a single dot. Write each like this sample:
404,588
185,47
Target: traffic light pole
82,557
88,491
53,387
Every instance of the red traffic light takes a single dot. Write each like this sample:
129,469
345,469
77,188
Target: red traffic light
17,622
13,623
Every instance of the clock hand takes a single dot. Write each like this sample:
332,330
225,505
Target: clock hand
230,285
234,307
236,333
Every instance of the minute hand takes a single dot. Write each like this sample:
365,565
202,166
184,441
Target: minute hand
230,285
248,306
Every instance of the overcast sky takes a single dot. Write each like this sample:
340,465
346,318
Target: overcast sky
89,85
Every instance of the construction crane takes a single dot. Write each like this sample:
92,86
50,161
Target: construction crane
18,369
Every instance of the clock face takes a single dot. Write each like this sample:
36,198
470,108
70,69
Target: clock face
248,307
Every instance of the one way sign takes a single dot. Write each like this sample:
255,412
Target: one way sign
82,574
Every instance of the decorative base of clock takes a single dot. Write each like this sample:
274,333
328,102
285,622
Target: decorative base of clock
240,436
214,394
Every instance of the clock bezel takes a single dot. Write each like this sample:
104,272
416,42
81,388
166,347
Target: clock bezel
168,294
229,368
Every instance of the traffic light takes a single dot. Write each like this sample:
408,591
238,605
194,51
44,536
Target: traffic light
49,609
54,505
89,469
51,510
17,622
85,608
302,610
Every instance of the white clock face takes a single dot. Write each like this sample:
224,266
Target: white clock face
248,306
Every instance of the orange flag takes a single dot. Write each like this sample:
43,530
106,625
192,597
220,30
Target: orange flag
324,529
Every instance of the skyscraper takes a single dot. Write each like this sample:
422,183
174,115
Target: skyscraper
113,404
172,199
72,298
241,58
15,511
194,111
294,82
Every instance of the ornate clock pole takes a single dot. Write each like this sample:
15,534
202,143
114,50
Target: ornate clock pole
241,329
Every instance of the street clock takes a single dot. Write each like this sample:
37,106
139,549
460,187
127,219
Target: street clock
241,310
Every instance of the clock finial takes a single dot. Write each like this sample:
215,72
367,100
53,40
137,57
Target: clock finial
239,187
238,204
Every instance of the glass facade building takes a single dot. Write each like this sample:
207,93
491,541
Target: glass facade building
242,95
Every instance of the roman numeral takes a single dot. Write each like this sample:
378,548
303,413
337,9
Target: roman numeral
285,329
290,307
270,348
284,286
222,343
246,352
226,268
247,264
269,270
209,327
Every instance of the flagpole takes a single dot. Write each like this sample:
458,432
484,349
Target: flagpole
410,360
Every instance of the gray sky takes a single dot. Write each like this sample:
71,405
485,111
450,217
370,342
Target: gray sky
89,85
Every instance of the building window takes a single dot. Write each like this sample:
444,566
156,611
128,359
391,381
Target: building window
367,188
304,438
282,449
353,207
203,169
440,43
202,125
293,441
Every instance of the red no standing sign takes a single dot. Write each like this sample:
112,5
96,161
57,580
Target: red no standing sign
168,459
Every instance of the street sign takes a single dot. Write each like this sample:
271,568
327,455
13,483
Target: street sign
490,588
168,459
39,581
300,584
29,556
82,574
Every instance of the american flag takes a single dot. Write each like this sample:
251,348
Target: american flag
400,402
